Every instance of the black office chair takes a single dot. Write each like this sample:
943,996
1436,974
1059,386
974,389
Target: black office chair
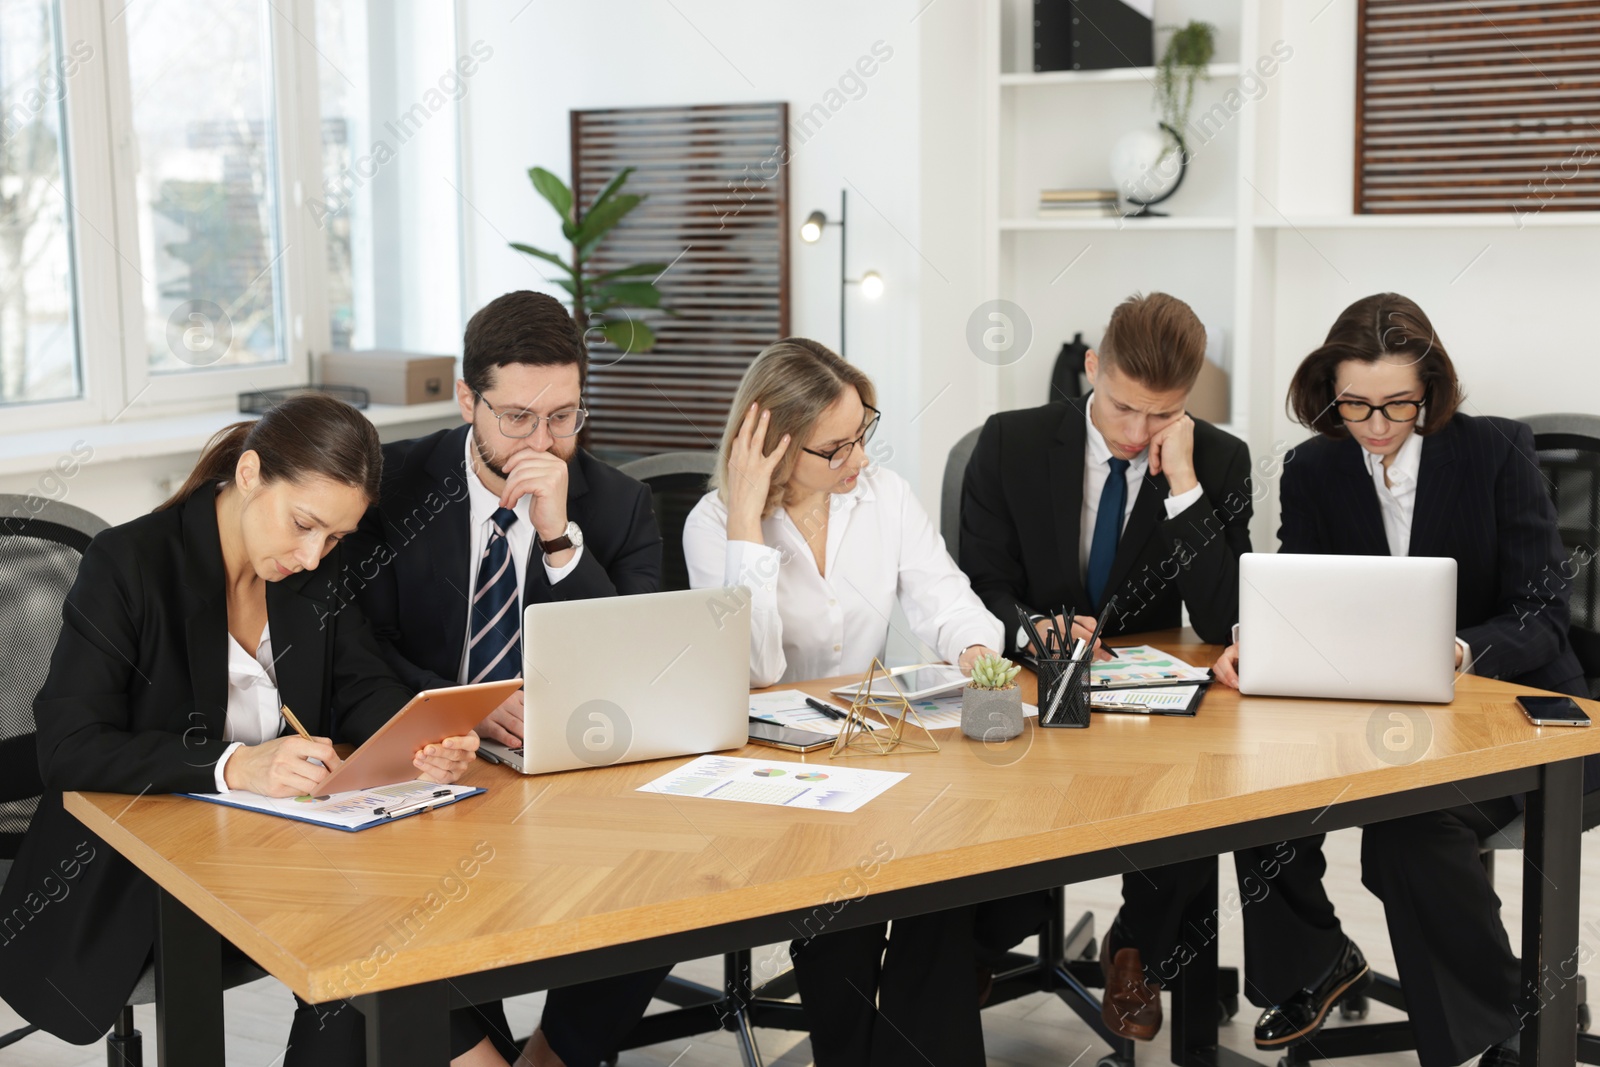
1569,457
1568,448
41,544
1068,963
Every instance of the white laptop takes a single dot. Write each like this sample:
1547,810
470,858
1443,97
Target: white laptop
626,678
1347,627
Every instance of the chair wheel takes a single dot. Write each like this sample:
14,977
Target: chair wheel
1584,1018
1227,1008
1353,1007
1114,1060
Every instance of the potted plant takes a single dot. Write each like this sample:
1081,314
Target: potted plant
599,301
991,703
1184,62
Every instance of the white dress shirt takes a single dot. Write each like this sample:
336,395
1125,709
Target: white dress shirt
483,505
1096,472
253,702
881,549
1397,501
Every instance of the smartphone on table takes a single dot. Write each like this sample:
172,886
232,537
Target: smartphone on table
1553,711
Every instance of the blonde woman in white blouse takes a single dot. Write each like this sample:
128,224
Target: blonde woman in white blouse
828,544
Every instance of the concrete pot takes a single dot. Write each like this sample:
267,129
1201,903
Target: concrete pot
992,715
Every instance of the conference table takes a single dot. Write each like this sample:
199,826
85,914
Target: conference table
548,880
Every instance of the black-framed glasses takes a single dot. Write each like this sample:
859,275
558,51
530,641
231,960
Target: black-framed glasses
520,424
1394,410
837,456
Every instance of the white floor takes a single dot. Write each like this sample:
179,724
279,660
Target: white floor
1034,1030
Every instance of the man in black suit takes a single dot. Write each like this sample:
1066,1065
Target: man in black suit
1120,497
476,523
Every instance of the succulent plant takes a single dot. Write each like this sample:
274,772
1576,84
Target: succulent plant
994,672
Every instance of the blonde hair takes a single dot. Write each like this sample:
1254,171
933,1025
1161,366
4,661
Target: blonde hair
797,380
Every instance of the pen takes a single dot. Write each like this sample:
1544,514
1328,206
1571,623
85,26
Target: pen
294,722
832,713
428,802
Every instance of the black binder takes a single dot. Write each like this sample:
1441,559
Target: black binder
1090,35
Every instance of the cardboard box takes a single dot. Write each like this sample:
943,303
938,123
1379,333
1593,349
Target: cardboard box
392,377
1210,397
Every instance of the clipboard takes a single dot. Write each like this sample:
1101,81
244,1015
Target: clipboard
357,809
1188,708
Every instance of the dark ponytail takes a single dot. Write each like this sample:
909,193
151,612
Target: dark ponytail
310,435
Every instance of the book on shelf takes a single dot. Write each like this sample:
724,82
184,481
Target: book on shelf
1073,196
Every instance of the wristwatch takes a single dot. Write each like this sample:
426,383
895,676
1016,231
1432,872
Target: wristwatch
571,538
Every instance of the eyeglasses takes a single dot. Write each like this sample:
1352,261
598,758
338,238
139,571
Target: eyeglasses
837,457
1394,410
520,424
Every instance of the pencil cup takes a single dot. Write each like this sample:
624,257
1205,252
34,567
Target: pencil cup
992,715
1071,677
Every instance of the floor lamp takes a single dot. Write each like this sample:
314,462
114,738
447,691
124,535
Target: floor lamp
871,282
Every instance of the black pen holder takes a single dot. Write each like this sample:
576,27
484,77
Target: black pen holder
1071,678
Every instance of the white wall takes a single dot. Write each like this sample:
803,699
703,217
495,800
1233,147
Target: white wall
551,58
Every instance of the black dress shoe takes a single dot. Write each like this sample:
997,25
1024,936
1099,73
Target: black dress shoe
1500,1056
1302,1015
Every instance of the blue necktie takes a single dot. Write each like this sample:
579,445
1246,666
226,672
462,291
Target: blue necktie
1107,528
496,650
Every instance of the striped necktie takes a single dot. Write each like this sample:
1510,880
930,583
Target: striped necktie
496,649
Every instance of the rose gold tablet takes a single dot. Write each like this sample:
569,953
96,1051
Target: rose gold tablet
430,717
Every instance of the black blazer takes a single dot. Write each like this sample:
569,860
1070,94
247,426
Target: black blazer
408,565
135,702
1021,507
1481,501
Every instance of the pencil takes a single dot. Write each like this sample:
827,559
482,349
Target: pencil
289,717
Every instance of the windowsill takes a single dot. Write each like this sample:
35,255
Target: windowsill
175,435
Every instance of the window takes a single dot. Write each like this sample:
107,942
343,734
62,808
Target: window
205,183
388,208
244,190
38,334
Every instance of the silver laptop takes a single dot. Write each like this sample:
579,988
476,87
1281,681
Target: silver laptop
1347,627
626,678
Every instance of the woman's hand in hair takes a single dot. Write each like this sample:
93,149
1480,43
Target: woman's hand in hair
749,480
281,767
448,760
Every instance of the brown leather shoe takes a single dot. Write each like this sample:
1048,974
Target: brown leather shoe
1132,1005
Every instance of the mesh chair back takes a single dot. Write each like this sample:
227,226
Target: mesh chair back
41,543
677,481
1569,456
955,472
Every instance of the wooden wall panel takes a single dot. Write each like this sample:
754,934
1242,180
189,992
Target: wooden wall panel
718,210
1477,105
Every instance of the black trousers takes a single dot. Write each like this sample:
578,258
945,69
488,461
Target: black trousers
1159,917
1460,977
891,996
583,1023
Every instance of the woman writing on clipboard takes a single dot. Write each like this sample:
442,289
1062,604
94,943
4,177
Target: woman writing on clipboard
828,546
184,634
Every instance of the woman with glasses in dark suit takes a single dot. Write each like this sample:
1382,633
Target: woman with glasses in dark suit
828,544
1397,469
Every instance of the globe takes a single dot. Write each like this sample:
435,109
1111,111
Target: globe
1147,165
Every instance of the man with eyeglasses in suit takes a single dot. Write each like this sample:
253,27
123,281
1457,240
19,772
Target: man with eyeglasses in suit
474,524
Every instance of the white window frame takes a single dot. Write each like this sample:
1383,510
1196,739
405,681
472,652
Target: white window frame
103,229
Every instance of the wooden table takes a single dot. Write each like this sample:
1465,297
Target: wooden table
548,880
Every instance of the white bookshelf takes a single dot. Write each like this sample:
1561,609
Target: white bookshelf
1056,129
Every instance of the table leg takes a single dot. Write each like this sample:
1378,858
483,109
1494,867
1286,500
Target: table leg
1196,993
188,987
408,1027
1550,857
